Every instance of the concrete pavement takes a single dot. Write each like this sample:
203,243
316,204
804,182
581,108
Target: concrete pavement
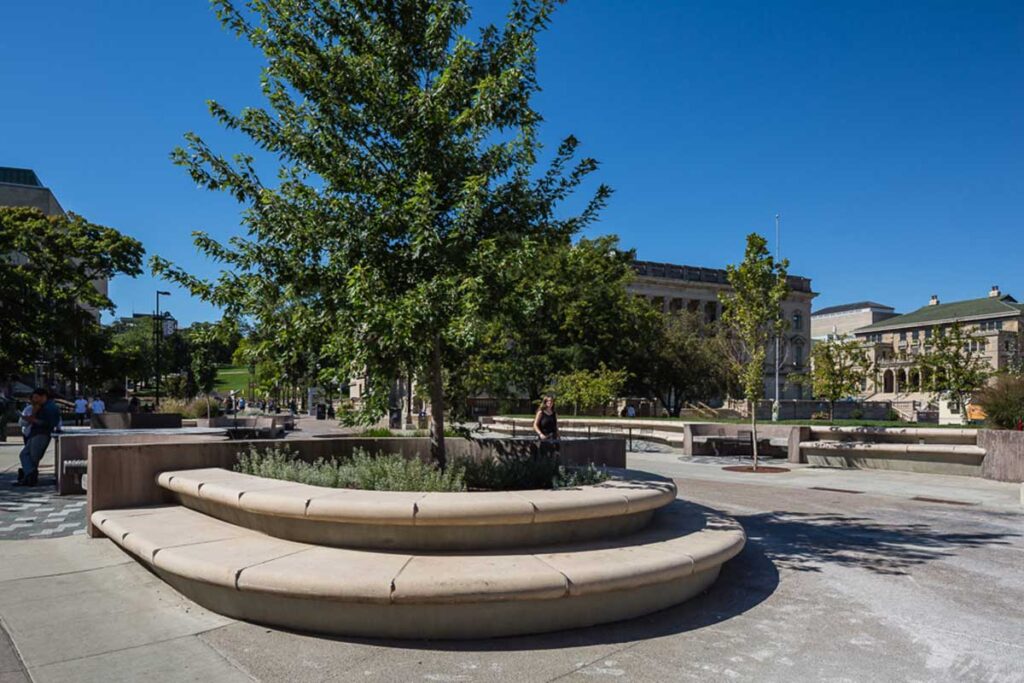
845,577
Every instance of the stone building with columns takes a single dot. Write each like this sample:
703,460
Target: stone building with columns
996,321
676,288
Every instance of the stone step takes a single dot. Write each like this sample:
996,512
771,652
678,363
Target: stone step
248,575
419,521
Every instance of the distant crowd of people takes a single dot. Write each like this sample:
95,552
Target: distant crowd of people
233,404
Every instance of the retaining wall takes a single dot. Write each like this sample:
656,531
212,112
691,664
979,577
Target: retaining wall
1004,455
136,421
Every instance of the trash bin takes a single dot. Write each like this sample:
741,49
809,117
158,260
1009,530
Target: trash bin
321,411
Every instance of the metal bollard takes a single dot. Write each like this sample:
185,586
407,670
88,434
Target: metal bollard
630,438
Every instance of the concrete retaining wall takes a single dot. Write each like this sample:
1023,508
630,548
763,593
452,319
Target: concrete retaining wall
1004,455
136,421
896,457
125,475
76,447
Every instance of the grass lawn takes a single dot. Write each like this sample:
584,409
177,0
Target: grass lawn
812,423
232,378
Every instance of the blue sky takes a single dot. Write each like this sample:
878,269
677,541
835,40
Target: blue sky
889,135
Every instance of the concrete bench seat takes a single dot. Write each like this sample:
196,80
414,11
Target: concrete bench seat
929,458
418,521
867,446
245,574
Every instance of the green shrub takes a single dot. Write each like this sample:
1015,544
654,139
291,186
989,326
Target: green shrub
518,472
190,409
363,471
1003,401
588,475
396,473
377,433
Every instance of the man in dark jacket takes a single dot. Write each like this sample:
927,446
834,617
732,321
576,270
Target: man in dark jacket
44,419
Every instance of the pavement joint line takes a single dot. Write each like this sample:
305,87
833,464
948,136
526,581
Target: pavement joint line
613,653
120,649
68,573
223,655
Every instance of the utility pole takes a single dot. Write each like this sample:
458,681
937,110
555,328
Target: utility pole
778,342
159,337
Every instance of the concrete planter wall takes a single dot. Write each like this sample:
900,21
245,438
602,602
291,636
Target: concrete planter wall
1004,454
136,421
125,475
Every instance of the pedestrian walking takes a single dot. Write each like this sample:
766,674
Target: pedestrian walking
43,421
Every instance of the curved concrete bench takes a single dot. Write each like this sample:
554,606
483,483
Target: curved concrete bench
244,574
419,521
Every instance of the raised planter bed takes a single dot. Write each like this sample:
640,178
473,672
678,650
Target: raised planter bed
408,565
419,521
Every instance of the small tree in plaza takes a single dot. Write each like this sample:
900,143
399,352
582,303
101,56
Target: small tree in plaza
753,317
839,367
590,388
406,202
952,364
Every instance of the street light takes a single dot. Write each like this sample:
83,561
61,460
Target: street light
159,335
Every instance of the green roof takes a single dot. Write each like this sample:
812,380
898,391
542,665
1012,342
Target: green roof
957,310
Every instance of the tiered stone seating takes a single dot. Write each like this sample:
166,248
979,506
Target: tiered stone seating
462,565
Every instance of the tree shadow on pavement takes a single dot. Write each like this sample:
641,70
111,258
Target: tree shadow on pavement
808,541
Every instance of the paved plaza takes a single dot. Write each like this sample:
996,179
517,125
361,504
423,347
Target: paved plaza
847,576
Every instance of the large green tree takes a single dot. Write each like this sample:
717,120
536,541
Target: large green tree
685,362
131,347
753,315
48,301
405,188
574,314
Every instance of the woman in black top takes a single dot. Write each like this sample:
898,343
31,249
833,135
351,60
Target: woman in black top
546,422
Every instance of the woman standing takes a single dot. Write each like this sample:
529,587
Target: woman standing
546,422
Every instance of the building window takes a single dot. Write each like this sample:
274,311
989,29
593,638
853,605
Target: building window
928,333
903,336
913,335
999,324
798,321
798,355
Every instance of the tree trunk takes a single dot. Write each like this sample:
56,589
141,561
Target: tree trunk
437,449
753,430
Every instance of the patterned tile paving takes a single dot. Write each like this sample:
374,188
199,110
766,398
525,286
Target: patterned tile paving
38,512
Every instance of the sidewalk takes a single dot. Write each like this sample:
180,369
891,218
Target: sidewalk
949,489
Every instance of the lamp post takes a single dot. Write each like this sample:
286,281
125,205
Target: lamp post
778,345
159,336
